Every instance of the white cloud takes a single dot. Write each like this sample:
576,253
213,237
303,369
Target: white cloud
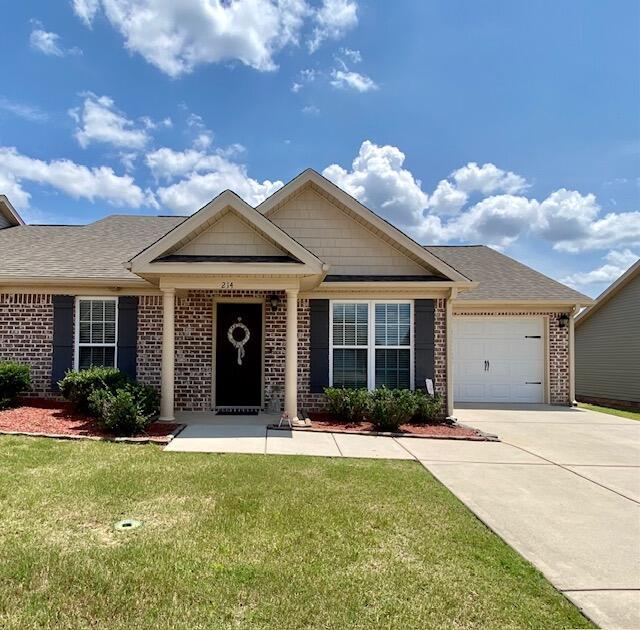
333,19
178,36
47,42
98,120
617,262
487,179
446,198
76,180
10,187
378,179
354,56
613,230
354,80
311,110
167,164
28,112
306,76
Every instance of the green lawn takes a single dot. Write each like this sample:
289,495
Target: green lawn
633,415
235,541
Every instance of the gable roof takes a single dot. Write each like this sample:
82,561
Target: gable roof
9,213
311,178
182,233
97,251
503,279
610,292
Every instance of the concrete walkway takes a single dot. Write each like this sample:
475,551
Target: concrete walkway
563,489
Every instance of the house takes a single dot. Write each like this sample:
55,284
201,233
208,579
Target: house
608,345
242,308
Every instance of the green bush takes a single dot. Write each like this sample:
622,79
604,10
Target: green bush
14,379
349,405
127,411
77,387
391,407
427,407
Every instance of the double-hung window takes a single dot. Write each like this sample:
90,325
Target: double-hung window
96,332
371,344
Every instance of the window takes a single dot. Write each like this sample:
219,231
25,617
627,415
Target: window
371,344
96,332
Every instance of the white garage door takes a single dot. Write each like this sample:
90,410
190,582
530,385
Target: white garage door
498,359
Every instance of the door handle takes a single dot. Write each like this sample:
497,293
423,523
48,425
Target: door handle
486,366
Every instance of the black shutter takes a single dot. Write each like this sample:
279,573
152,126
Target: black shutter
319,354
127,334
424,341
62,338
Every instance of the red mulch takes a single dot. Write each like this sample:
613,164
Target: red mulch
325,422
57,418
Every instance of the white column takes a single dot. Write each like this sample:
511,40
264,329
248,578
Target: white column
291,356
168,353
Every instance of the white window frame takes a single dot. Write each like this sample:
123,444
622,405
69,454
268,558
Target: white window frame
77,345
371,346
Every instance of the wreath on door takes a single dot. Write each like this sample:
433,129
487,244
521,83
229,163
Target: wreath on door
238,344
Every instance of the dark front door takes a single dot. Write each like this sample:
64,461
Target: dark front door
238,355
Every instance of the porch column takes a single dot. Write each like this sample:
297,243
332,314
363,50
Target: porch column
168,353
291,356
449,350
572,355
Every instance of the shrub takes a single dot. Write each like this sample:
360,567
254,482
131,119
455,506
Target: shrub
77,387
14,379
349,405
427,407
126,411
391,407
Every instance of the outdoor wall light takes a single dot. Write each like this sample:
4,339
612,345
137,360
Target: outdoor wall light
274,300
563,320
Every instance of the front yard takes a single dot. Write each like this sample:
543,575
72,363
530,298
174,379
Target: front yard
622,413
249,541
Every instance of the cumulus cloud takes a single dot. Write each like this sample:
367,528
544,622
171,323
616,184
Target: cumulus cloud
353,80
98,120
76,180
48,43
617,262
377,178
569,220
333,19
178,36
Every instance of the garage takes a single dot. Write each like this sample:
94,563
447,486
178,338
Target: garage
498,359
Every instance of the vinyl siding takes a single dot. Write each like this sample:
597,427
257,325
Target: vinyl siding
339,240
230,236
608,348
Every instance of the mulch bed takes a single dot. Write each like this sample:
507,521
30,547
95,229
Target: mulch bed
49,418
326,423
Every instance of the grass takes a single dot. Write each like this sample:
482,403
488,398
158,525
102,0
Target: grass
249,541
632,415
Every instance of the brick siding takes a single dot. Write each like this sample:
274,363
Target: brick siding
26,335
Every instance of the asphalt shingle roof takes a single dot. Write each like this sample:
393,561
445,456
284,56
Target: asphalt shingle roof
97,250
501,277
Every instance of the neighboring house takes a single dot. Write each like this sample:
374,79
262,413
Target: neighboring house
608,345
239,308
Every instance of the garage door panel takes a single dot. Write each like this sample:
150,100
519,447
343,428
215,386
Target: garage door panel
514,349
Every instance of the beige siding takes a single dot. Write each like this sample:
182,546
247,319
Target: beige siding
339,240
230,236
608,348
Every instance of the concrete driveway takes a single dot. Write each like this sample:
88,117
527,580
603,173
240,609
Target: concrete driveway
563,489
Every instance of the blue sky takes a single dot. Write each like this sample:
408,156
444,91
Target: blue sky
514,124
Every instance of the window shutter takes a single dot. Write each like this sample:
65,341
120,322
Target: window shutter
319,351
62,338
424,341
127,334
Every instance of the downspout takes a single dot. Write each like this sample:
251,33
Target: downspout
449,349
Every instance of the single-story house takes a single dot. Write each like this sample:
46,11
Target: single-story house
608,345
243,308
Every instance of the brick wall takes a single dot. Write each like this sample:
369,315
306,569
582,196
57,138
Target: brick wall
440,352
26,335
558,351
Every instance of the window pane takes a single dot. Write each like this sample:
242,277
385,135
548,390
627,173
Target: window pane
89,356
85,332
393,324
350,324
393,368
97,332
350,368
